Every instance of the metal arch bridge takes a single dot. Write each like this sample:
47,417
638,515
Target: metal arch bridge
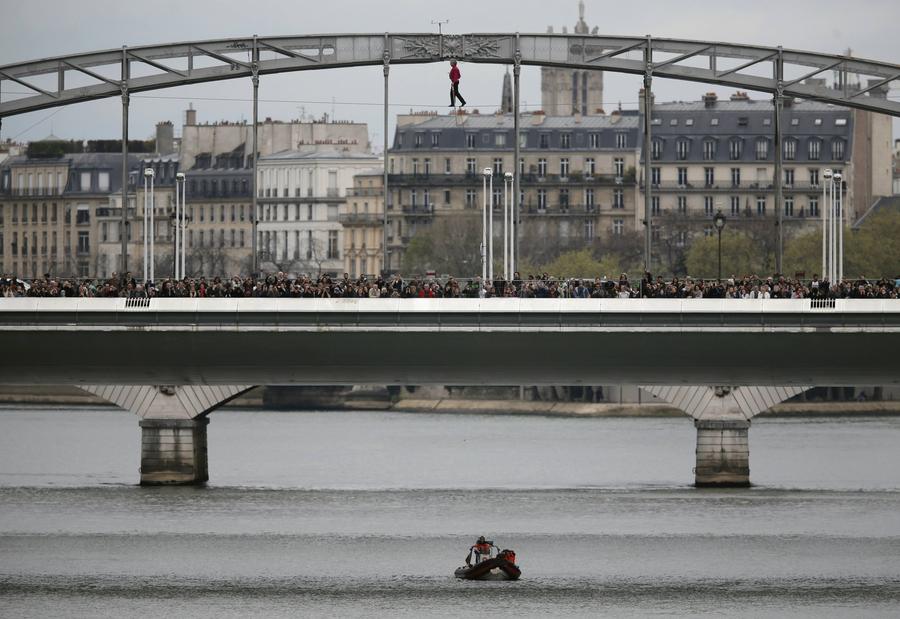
105,74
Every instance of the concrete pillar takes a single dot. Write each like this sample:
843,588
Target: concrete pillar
723,453
173,451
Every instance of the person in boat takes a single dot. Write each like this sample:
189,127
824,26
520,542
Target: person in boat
481,549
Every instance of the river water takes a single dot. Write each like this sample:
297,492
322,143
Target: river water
367,514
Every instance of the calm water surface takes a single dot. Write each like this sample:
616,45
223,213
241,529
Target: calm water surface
367,514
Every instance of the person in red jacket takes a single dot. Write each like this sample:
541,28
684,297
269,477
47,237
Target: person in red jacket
454,85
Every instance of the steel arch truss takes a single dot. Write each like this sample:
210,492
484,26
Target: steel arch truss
65,80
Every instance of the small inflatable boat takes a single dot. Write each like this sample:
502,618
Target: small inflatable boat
501,567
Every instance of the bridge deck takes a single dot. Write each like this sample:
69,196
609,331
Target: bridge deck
458,341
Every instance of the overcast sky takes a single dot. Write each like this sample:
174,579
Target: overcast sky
31,29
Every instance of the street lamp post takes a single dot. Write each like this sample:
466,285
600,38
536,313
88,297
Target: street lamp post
719,223
148,224
507,236
839,222
826,209
180,218
486,175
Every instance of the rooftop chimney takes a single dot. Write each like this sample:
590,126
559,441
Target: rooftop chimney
740,95
165,138
641,100
709,99
190,115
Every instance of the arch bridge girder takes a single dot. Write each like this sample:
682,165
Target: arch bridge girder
137,69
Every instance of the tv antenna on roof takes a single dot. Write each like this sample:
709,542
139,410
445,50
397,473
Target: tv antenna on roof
440,23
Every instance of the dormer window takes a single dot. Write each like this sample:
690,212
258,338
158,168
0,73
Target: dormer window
735,148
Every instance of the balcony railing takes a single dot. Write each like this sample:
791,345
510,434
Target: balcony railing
360,218
475,180
727,186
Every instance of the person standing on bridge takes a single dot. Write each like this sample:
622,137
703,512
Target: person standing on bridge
454,85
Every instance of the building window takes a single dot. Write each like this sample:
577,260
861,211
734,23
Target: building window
709,150
762,149
564,200
544,141
735,205
542,167
470,166
815,148
418,142
564,167
103,181
427,163
618,167
760,205
565,140
790,149
447,167
654,205
838,147
589,199
82,215
681,149
618,198
789,206
521,166
85,181
590,167
735,177
656,149
654,176
621,140
499,139
447,196
708,206
435,139
470,140
588,229
814,177
415,167
542,199
498,166
735,149
84,245
789,177
709,176
618,226
682,205
594,140
813,206
470,198
682,177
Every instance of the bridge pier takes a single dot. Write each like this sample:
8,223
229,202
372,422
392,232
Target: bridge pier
723,453
173,452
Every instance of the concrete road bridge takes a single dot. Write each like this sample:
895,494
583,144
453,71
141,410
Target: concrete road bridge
64,80
173,361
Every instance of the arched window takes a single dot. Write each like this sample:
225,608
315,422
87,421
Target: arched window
838,148
735,148
762,149
790,149
709,149
814,147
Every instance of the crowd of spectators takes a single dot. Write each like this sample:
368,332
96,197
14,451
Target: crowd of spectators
394,286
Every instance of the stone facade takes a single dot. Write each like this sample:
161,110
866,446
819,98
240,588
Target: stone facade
362,219
301,194
57,213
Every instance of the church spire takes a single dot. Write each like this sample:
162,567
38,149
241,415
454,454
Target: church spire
581,27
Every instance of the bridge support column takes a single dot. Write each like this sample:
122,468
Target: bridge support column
173,452
723,453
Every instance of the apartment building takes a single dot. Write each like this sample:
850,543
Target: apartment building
300,198
577,173
362,219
